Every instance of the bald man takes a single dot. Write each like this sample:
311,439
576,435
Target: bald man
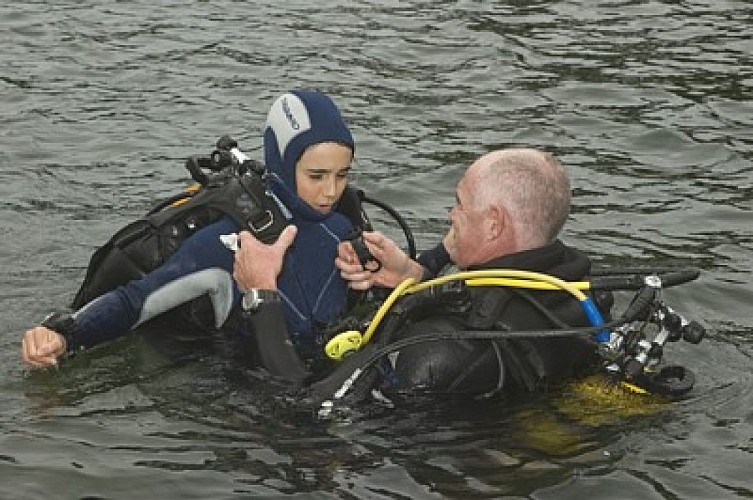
510,207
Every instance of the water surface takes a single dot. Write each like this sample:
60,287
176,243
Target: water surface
647,104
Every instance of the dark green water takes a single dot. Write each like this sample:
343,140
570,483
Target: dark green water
648,104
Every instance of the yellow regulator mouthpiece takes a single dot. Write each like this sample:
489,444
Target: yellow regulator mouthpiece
342,344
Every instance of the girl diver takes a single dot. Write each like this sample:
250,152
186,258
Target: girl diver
308,151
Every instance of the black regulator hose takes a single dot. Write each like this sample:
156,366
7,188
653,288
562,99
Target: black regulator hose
401,222
379,353
639,307
634,278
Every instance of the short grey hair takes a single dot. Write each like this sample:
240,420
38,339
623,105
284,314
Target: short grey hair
532,186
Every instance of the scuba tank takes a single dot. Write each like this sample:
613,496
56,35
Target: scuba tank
235,186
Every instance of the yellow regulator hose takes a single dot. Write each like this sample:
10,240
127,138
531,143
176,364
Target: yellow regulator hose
351,340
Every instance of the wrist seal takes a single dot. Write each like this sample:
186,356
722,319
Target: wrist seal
65,325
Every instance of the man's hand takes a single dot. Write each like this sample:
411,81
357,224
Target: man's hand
396,265
42,347
257,265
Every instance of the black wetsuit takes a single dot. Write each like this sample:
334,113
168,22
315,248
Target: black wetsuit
486,366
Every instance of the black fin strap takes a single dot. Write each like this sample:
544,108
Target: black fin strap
65,325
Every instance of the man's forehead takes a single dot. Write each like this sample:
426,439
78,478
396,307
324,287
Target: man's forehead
471,175
464,187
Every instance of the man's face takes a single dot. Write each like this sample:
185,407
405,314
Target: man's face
465,239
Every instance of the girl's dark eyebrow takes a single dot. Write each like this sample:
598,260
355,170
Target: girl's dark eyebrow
323,170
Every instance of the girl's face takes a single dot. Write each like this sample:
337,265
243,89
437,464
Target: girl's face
321,174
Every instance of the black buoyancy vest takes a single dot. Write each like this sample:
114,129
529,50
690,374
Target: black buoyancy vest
475,366
145,244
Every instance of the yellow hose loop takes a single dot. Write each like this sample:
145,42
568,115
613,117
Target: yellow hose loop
483,277
502,273
518,283
385,307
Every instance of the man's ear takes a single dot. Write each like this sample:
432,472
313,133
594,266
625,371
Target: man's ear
496,222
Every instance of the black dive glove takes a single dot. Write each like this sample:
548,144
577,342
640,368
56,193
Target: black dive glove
433,261
65,325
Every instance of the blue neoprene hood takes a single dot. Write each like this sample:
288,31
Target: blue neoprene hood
295,121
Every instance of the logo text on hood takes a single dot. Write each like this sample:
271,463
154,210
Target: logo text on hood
289,115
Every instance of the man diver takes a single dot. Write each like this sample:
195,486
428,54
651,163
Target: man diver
308,151
510,207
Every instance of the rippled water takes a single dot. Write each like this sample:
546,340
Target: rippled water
648,103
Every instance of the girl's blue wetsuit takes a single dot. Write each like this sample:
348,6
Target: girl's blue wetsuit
310,286
201,265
